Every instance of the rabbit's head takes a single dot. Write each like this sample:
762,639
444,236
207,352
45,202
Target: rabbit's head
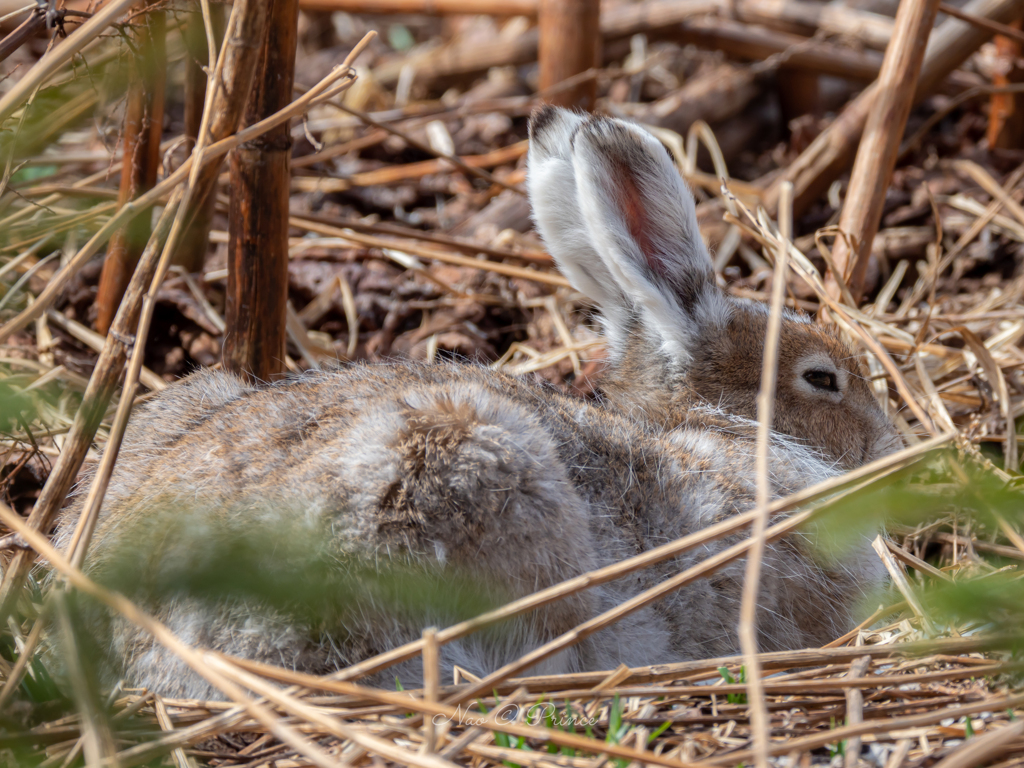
621,223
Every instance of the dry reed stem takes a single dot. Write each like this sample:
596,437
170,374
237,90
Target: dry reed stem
404,702
95,342
167,229
431,685
998,382
830,153
508,270
917,564
56,57
97,740
24,658
82,536
173,215
986,24
181,760
180,209
331,725
628,680
210,726
854,711
917,291
455,160
765,411
228,87
899,578
841,733
452,712
407,171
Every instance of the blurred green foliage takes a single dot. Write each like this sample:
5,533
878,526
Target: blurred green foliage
924,495
277,558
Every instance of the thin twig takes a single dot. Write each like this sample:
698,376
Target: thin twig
765,409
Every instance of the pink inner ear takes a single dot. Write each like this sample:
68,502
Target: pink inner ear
634,211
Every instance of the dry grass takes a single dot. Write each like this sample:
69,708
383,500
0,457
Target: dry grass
940,335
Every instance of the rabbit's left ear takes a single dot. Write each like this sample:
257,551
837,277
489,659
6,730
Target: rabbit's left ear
642,222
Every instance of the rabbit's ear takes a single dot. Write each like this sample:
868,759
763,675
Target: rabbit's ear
556,210
642,222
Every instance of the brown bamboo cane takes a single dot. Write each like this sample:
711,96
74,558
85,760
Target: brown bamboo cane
143,126
876,155
569,43
257,290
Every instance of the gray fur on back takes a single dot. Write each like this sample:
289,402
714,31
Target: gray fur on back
521,485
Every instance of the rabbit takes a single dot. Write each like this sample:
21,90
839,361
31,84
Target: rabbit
466,471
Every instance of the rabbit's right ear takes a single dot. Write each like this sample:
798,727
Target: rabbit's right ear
556,210
611,205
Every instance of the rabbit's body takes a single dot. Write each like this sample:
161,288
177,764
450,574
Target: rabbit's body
464,469
458,465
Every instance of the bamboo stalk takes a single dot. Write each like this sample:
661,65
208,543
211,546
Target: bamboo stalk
143,126
569,43
876,154
257,290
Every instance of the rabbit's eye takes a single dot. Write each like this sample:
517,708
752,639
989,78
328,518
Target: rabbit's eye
822,380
